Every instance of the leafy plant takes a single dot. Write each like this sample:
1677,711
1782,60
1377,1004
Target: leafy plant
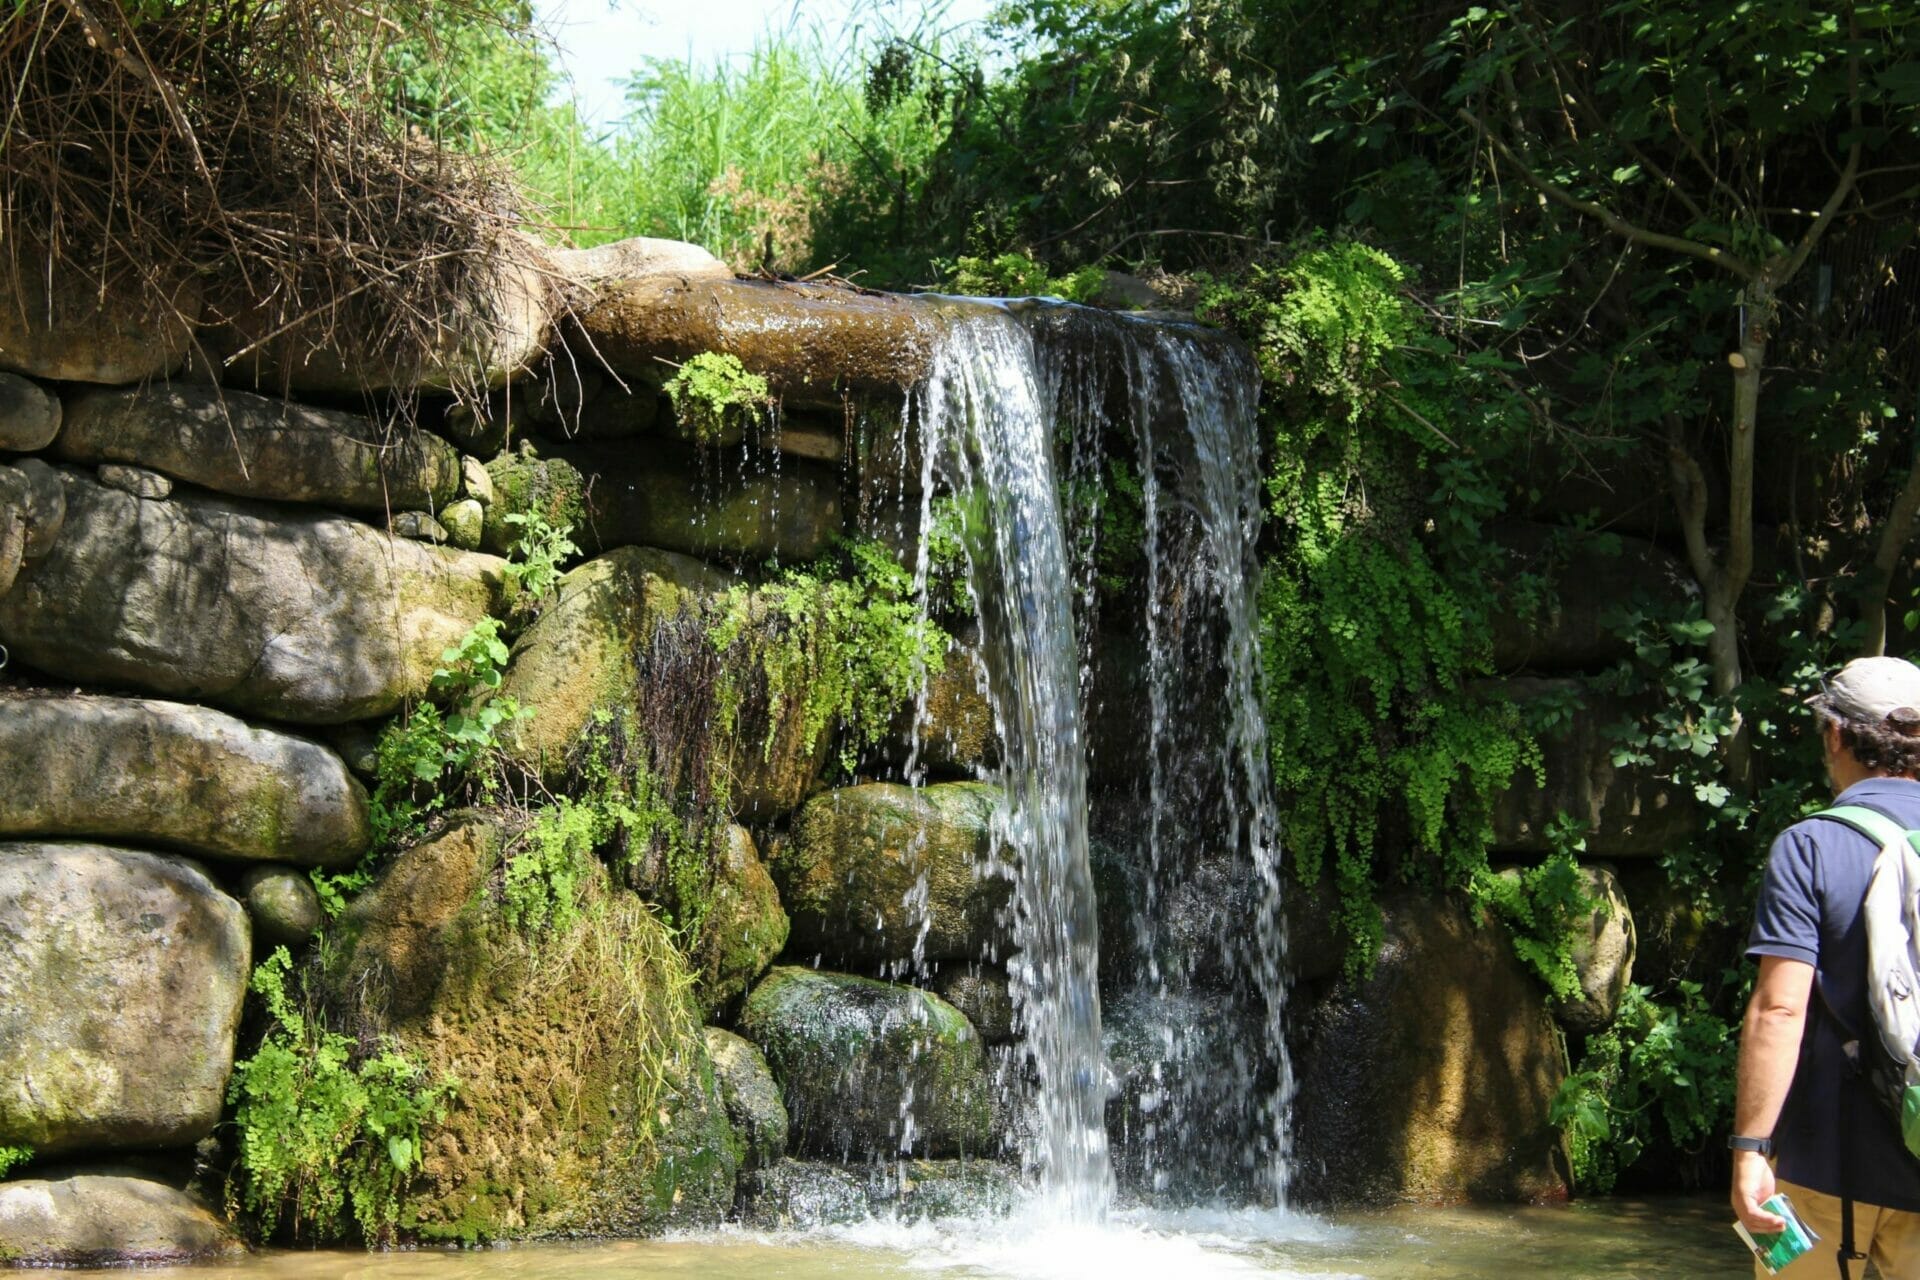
329,1131
1018,275
539,549
712,392
12,1157
1542,908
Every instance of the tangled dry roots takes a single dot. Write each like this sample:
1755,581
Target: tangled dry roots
251,147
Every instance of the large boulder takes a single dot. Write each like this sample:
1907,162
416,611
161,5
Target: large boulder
1603,950
92,1220
871,1070
74,324
1431,1080
627,639
29,415
586,1103
1629,811
1582,580
310,618
813,343
121,976
184,777
879,874
254,447
743,927
753,1102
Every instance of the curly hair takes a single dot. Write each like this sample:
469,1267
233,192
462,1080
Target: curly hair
1891,747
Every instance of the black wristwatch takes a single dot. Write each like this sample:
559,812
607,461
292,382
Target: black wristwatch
1763,1145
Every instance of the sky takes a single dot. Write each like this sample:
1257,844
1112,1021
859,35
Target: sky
601,43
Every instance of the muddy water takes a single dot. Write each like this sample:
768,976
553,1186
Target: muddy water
1614,1239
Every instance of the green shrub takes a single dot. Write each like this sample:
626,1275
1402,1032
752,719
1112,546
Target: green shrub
329,1132
712,392
12,1157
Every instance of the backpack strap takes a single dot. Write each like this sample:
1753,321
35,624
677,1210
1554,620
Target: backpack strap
1872,824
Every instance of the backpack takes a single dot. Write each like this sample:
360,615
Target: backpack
1890,1060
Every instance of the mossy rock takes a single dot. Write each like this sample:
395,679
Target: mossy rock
525,484
869,1069
853,863
743,928
586,1104
753,1102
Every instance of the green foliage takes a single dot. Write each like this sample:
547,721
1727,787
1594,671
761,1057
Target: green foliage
12,1157
539,550
1018,275
329,1131
713,391
1376,599
1545,908
1662,1073
852,650
541,882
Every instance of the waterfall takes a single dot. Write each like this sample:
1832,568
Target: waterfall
1027,402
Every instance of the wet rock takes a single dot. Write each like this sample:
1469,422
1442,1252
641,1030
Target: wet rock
29,415
981,994
137,481
868,1069
811,1193
586,1100
951,733
753,1103
208,599
744,927
1587,578
121,975
102,1221
255,447
524,484
621,625
1430,1081
185,777
850,875
283,905
723,510
464,523
74,325
1629,811
813,343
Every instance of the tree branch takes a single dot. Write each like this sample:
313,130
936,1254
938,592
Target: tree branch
1894,533
1613,221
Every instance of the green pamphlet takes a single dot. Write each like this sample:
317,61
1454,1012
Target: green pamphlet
1776,1249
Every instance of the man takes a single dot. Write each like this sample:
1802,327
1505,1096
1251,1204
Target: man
1799,1100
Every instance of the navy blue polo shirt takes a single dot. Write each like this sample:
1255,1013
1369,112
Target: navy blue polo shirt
1833,1136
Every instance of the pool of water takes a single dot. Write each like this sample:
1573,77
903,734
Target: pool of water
1586,1241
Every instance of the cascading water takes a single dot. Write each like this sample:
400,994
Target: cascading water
1026,403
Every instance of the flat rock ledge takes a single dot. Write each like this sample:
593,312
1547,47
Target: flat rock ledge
92,1220
184,777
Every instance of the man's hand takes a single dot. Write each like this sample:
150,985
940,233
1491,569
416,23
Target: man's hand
1752,1184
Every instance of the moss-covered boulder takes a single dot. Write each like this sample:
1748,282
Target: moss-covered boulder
980,991
743,926
851,870
179,776
586,1101
871,1070
292,616
950,732
753,1102
523,483
1604,943
627,643
1430,1082
121,975
254,447
283,905
92,1220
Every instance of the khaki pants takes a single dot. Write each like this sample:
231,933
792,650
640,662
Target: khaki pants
1889,1238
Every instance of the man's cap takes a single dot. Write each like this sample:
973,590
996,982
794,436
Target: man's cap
1868,691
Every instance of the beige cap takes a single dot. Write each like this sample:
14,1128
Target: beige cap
1869,690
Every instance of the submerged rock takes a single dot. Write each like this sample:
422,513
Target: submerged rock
870,1070
851,869
222,601
121,975
91,1220
811,1193
184,777
753,1102
586,1101
1430,1082
254,447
